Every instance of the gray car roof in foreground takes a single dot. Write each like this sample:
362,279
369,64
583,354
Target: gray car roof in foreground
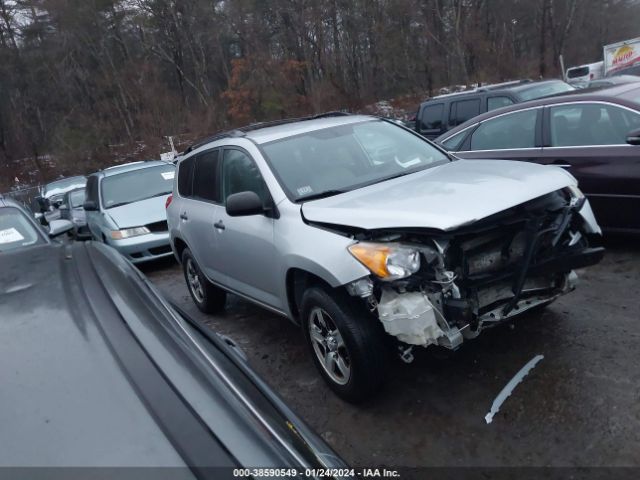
278,132
98,371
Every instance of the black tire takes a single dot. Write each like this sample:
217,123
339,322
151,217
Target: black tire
208,298
362,335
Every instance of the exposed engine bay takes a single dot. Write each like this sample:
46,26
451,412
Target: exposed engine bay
442,288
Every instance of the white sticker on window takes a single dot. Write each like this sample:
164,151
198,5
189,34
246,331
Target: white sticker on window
168,175
10,235
305,190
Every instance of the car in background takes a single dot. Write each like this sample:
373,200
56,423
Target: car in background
52,195
614,80
99,370
580,76
593,135
72,209
125,208
442,113
19,230
372,238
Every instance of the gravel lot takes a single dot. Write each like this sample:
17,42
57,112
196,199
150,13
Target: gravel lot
580,406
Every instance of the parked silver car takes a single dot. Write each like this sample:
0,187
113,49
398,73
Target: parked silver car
371,237
125,208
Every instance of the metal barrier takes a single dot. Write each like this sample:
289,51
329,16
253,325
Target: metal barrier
25,196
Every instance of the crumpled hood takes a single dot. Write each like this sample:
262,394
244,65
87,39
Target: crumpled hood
139,213
443,197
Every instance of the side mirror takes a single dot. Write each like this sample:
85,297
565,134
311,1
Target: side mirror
58,227
633,137
63,206
90,206
243,204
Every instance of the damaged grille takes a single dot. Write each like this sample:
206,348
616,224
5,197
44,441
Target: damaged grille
156,227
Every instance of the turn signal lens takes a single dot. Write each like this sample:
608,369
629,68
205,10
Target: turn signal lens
388,261
168,202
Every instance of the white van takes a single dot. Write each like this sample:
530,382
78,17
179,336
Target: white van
580,76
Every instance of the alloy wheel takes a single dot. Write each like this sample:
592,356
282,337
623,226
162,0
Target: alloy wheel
329,346
195,284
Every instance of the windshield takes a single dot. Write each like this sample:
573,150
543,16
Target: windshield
577,72
16,230
342,158
544,90
137,185
62,186
76,198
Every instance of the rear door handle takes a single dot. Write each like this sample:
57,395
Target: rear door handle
184,216
219,225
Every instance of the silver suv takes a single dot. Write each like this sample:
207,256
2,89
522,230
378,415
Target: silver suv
373,239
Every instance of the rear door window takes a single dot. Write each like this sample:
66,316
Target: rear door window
185,177
431,118
590,124
463,110
509,131
206,184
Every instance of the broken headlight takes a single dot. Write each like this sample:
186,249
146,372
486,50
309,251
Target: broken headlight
387,261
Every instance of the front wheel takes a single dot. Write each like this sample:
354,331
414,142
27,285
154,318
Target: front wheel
346,343
207,297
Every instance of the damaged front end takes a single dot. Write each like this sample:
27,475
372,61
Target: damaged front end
440,288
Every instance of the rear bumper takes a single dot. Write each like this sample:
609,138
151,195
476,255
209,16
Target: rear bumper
145,247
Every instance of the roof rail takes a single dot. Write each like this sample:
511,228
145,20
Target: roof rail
497,86
483,88
213,138
240,132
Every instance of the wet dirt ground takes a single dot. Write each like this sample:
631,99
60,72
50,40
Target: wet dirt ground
580,406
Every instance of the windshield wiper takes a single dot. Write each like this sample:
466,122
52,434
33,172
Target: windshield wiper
319,195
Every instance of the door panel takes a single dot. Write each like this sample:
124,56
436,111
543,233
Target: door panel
200,210
248,259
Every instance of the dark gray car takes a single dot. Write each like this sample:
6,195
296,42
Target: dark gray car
19,230
98,370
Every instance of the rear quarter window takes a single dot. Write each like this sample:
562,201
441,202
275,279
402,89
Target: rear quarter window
431,118
463,110
185,177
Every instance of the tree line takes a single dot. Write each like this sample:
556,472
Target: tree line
80,77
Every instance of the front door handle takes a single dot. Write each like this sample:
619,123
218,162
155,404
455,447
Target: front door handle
219,225
184,216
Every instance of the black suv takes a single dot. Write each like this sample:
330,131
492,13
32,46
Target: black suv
442,113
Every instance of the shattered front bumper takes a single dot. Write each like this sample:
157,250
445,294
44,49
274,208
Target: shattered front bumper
476,279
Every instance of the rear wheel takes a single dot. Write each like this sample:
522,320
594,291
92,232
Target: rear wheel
346,343
207,297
